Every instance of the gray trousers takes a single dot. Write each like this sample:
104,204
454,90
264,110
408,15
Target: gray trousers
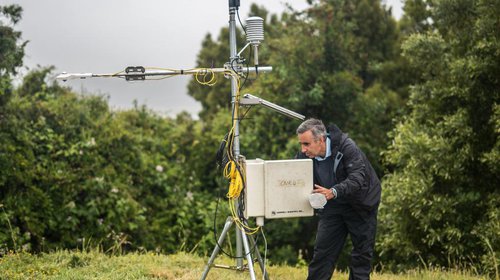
333,226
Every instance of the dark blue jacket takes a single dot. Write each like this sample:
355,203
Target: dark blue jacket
356,180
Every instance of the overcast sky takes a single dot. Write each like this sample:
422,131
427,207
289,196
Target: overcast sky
105,36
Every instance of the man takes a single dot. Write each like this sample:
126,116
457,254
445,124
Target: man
343,174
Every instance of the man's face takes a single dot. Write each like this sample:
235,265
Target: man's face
311,147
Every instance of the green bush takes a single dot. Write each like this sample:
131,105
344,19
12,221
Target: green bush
73,170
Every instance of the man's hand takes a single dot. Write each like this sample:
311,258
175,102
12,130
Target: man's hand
326,192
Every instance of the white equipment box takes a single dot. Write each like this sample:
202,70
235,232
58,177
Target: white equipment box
278,188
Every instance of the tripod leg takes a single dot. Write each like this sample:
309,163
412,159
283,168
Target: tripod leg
227,225
259,258
248,255
239,249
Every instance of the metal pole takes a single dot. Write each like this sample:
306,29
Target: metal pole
241,237
251,242
233,6
248,255
155,73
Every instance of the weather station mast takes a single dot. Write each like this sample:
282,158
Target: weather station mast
234,69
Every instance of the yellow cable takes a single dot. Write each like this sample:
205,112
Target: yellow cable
206,72
236,181
241,225
160,68
116,74
204,76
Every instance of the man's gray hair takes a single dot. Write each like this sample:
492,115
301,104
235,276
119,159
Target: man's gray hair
316,127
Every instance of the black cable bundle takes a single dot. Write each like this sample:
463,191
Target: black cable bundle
221,158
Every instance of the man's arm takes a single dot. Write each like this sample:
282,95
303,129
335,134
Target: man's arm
355,169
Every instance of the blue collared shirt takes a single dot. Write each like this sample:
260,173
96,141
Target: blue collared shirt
328,150
328,154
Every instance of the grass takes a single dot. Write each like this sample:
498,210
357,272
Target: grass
96,265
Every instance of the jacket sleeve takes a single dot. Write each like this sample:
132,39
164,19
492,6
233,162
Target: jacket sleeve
355,168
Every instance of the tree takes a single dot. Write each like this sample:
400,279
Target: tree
11,50
441,197
416,17
75,173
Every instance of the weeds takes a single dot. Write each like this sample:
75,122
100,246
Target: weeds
94,264
12,234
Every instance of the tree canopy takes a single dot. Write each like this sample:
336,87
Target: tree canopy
441,195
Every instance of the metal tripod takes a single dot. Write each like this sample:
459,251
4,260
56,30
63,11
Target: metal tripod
246,245
242,240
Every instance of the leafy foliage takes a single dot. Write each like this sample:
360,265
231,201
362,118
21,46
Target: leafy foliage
11,51
442,192
73,170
